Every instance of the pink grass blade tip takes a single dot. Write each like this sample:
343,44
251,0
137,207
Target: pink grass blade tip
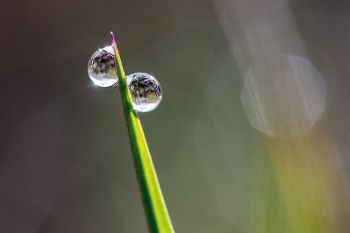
113,38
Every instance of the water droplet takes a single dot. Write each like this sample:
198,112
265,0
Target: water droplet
102,67
145,91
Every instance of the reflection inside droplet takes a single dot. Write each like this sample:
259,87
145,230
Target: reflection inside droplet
145,91
102,67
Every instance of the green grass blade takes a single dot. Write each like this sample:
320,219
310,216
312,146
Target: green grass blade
154,204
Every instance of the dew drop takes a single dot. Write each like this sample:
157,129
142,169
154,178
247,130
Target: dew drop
102,67
145,91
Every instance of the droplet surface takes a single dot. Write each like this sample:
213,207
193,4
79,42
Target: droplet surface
102,67
145,91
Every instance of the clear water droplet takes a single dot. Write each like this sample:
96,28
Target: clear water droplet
102,67
145,91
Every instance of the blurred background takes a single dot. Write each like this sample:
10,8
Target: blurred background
252,135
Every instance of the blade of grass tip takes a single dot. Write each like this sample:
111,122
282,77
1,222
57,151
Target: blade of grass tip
154,204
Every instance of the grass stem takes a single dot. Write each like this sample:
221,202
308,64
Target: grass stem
154,204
